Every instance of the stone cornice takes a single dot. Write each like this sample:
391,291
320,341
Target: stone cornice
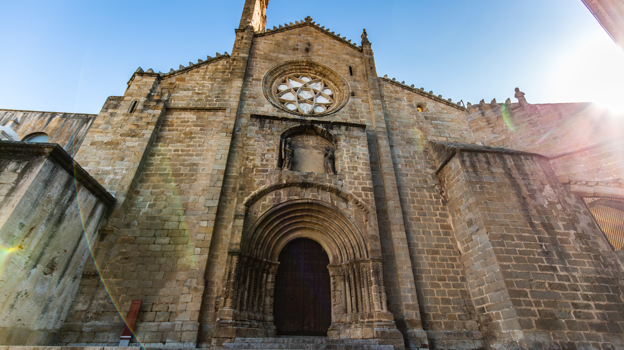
422,92
10,149
26,111
443,152
309,121
308,22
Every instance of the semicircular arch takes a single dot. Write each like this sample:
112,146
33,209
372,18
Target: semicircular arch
313,219
264,190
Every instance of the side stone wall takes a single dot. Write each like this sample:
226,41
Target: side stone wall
538,269
67,129
582,140
50,211
154,248
447,310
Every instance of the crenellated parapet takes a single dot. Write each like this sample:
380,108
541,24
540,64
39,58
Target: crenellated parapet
421,91
309,22
182,69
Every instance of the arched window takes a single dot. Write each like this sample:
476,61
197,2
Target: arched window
420,108
38,137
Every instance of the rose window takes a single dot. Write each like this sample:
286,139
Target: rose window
305,88
305,93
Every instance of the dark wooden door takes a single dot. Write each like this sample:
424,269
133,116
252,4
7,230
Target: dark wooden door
302,290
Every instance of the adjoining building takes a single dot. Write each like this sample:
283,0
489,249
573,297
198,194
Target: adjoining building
610,15
286,189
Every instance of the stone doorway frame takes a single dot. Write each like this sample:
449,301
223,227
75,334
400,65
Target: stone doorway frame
359,308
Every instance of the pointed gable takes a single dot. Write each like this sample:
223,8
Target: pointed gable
308,22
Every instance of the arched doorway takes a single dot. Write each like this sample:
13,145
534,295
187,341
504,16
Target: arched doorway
357,296
302,290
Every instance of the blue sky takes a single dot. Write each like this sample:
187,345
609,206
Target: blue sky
69,55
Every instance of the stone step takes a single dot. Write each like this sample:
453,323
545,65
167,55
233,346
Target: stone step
322,343
307,346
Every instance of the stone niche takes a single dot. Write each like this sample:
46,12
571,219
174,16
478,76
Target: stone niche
308,143
309,153
50,211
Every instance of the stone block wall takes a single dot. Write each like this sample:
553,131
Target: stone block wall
165,161
546,129
66,129
205,86
50,211
582,140
596,171
538,269
446,309
154,249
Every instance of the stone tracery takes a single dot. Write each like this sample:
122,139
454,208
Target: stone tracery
305,93
305,88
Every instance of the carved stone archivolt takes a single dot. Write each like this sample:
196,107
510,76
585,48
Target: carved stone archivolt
263,191
357,289
305,88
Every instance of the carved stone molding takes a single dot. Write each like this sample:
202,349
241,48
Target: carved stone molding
261,192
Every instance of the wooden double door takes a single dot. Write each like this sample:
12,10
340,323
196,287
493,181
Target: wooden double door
302,290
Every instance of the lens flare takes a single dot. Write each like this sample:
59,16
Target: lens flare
589,71
8,250
508,117
90,244
419,140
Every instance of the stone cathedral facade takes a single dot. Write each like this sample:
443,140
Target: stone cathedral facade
287,189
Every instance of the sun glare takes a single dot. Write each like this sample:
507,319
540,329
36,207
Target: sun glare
591,71
4,250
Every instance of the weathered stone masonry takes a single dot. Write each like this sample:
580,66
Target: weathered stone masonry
446,227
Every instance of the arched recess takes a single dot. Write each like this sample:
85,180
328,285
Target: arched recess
358,293
304,129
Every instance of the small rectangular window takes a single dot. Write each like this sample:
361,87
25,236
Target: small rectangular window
351,70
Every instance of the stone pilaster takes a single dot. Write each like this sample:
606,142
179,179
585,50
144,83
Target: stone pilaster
223,178
407,316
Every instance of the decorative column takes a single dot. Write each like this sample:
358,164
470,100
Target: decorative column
338,295
378,290
268,299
